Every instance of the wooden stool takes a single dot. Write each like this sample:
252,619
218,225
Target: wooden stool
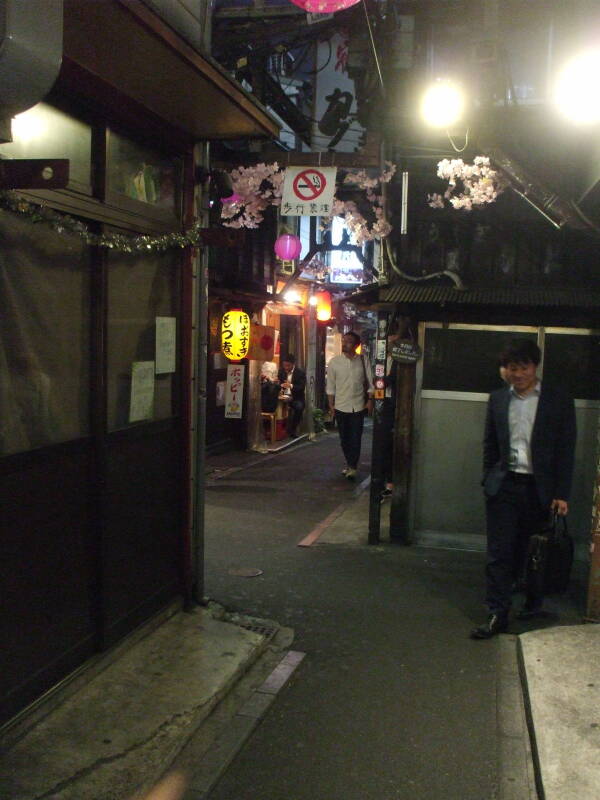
272,417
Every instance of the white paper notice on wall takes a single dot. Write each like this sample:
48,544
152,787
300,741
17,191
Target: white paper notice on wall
166,345
141,401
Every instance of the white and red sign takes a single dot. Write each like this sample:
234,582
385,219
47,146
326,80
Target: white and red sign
308,191
234,391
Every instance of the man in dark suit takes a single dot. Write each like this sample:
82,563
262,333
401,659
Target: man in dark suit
528,457
293,384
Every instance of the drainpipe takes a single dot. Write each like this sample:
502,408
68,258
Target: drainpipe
201,157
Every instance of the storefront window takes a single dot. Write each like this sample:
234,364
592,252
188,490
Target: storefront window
150,181
573,362
46,132
465,360
142,307
44,336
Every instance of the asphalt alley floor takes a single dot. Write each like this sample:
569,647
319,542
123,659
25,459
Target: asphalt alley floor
392,700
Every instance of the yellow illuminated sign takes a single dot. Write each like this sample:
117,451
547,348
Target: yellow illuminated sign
235,334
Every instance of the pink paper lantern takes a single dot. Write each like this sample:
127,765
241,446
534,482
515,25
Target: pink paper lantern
324,6
288,247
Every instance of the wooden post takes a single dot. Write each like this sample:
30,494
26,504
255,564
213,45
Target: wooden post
379,429
402,459
593,605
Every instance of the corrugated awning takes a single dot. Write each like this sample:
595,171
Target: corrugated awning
501,296
124,46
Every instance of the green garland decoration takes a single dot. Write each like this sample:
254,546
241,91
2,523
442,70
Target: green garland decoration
63,223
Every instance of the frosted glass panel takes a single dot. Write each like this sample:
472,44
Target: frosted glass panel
143,175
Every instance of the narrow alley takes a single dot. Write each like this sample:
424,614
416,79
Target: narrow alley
392,700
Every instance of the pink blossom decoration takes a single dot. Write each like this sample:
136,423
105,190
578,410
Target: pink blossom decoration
256,188
359,227
233,198
480,183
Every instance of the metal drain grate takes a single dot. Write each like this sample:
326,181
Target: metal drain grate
262,628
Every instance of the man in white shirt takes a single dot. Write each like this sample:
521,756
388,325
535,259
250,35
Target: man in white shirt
528,458
350,394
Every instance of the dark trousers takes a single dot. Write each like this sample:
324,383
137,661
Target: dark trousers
350,426
295,411
513,515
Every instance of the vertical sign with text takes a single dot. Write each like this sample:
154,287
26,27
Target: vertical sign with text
234,391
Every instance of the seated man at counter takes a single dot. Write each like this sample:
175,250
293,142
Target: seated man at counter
293,385
269,387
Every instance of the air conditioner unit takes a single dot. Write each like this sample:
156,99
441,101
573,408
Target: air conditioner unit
31,40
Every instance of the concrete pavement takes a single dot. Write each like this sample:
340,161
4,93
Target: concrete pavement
153,709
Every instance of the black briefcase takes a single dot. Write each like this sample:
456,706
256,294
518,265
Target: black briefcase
549,559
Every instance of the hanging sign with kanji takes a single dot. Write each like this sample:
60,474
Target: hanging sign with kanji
234,391
235,334
308,191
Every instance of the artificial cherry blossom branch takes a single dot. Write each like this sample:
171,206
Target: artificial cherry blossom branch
256,188
480,183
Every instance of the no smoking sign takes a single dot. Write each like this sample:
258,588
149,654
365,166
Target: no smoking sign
308,191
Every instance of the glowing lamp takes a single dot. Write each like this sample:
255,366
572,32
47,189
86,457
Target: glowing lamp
324,6
292,296
442,105
576,92
235,334
288,247
323,306
358,350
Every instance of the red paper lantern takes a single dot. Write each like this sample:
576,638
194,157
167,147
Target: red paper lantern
288,247
323,306
324,6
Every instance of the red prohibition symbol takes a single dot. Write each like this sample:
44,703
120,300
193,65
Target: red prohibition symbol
309,184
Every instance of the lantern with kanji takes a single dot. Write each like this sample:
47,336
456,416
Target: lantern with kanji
323,306
235,334
324,6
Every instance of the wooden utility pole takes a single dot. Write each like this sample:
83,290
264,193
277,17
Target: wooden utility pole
593,605
402,459
380,431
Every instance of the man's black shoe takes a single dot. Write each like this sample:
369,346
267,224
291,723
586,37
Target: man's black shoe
496,623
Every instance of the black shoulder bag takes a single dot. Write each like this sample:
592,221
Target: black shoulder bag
549,559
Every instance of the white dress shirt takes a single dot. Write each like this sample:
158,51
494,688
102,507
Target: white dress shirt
346,382
521,417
